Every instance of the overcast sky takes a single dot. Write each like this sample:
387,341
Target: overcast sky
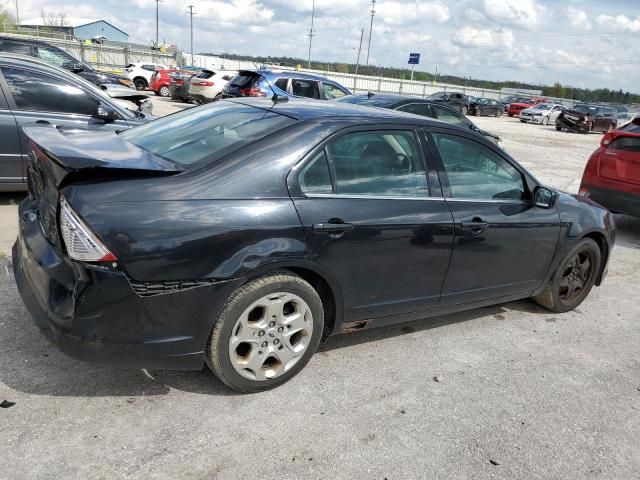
583,43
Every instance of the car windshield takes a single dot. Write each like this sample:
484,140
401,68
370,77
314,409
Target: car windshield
439,96
373,101
584,109
543,106
203,135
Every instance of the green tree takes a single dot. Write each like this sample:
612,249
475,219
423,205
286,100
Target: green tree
7,21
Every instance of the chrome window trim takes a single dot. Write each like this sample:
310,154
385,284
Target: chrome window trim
391,197
13,155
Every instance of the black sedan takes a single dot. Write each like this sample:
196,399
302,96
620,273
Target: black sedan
456,100
485,107
417,106
244,232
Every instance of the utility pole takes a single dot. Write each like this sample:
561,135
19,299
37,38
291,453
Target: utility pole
373,12
190,12
157,7
311,35
17,17
359,50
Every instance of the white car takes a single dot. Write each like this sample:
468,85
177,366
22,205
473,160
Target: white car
140,73
543,113
207,85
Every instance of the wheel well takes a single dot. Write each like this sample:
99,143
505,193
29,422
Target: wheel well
326,295
141,78
604,250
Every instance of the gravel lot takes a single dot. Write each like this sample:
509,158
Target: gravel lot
509,391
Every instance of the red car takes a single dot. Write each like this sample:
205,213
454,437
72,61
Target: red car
612,174
514,109
161,82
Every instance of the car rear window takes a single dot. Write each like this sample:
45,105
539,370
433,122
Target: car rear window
244,81
205,74
203,135
631,144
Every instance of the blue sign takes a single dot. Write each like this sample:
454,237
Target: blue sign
414,58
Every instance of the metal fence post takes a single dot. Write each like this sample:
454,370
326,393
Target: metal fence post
400,89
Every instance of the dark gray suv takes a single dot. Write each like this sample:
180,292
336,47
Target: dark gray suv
33,92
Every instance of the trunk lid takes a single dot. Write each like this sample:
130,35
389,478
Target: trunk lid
57,159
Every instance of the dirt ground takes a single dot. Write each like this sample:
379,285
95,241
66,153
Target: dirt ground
509,391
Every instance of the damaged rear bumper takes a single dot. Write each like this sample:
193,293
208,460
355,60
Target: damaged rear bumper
92,313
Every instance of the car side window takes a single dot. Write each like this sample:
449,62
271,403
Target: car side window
281,83
417,109
315,176
55,57
331,91
305,88
42,93
151,68
449,116
380,163
476,172
631,144
15,47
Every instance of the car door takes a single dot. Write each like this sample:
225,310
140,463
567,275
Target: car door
372,220
11,155
40,98
503,243
553,114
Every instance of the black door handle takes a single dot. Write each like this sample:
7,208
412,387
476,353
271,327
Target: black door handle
476,225
332,227
43,122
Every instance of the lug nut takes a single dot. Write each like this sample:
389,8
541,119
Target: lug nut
261,333
272,324
276,341
280,329
264,344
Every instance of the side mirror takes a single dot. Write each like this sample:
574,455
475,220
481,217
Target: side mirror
107,113
543,197
77,68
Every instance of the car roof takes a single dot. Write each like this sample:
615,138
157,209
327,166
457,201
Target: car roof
395,98
23,39
304,109
286,74
26,60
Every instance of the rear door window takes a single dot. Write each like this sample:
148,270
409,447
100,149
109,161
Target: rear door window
447,115
380,163
417,108
205,74
305,88
55,57
42,93
631,144
315,176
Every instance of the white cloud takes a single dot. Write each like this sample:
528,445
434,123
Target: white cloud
402,13
486,38
578,18
520,13
619,23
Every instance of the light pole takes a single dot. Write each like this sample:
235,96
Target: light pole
313,12
373,12
190,12
358,59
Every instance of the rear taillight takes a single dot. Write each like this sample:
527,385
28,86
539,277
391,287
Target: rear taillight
80,242
252,92
179,82
204,83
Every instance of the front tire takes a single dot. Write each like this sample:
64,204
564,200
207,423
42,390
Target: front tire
545,121
464,110
573,279
266,333
140,83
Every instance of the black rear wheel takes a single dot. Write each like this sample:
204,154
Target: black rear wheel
573,279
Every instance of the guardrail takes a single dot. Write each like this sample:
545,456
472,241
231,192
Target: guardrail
364,83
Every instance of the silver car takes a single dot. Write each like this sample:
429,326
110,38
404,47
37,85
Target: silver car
543,113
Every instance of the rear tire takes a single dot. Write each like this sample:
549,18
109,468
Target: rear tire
498,113
164,91
573,279
266,332
140,83
217,98
545,121
464,110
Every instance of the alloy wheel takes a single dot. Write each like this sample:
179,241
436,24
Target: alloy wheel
576,276
271,336
164,91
